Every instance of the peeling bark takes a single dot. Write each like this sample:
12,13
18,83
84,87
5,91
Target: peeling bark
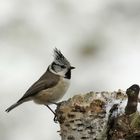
99,116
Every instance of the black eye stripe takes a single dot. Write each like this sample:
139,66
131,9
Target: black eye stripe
62,66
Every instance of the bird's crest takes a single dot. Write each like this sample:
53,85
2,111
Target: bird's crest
59,58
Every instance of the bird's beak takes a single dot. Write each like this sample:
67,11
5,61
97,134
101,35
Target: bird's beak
72,67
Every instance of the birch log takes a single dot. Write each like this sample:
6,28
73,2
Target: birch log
100,116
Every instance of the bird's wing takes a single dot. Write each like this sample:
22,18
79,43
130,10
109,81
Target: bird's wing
43,83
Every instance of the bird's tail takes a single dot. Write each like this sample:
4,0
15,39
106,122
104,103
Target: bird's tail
13,106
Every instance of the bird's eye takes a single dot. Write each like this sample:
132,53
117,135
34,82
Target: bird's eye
63,67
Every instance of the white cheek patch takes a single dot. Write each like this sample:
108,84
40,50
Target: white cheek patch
61,73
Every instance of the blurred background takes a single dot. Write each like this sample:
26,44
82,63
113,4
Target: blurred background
100,38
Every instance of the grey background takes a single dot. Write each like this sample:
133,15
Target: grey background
100,38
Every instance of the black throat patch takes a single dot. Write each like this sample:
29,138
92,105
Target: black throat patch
68,74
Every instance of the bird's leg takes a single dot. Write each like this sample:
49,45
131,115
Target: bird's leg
51,110
55,114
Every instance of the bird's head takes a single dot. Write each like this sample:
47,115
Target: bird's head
61,66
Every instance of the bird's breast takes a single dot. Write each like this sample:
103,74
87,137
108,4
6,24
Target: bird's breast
53,94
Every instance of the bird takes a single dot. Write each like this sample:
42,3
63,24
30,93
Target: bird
51,86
